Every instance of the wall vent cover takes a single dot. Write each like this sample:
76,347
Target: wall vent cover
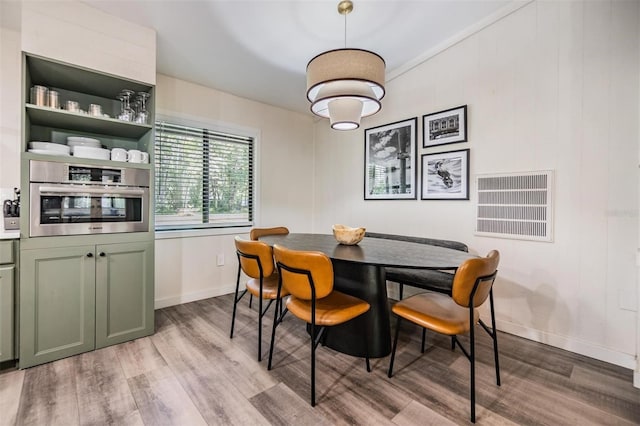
515,205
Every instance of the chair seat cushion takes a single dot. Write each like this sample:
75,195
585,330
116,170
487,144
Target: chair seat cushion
437,312
336,308
269,287
439,281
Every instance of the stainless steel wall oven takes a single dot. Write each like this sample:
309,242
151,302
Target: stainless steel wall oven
72,199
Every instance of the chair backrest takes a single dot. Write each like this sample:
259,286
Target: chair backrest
472,270
455,245
256,233
297,266
254,255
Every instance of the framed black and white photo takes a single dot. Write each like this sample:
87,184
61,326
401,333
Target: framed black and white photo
390,161
441,128
445,175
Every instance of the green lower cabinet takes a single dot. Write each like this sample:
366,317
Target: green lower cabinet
6,312
77,299
124,292
57,303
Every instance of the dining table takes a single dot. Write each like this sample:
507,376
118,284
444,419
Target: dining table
359,270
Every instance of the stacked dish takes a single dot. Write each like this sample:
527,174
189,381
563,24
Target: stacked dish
48,148
83,147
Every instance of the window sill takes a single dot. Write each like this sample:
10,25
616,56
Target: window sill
206,232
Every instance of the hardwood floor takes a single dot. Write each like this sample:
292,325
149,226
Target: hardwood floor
190,373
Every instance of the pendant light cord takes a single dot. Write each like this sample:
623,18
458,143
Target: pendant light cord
345,30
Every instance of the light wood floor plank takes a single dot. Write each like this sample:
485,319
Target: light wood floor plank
416,413
10,389
102,390
138,357
49,395
161,399
282,406
217,399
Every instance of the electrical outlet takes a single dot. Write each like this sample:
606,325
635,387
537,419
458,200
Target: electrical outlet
220,259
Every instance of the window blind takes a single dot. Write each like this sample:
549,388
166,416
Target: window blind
203,178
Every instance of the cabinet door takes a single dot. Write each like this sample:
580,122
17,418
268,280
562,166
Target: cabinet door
124,292
57,303
6,312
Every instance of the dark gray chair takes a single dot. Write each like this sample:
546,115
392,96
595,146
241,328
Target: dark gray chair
439,281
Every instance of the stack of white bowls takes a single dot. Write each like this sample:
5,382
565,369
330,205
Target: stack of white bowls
84,147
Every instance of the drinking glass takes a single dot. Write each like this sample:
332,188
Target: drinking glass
127,113
143,115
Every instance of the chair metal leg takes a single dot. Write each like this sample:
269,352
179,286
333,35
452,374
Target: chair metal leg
424,335
235,304
472,359
400,290
495,338
260,326
313,364
250,300
366,346
453,343
276,319
393,350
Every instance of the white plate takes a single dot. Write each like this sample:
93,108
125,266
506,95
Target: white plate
91,152
50,146
47,152
83,141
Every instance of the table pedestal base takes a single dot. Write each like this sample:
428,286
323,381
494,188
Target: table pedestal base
368,283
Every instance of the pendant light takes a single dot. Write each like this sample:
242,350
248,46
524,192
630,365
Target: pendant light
345,85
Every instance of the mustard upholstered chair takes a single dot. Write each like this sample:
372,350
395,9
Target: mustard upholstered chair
255,259
256,233
308,277
456,314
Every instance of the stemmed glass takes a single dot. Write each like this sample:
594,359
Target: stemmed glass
127,113
143,115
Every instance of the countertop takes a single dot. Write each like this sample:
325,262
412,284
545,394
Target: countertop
9,235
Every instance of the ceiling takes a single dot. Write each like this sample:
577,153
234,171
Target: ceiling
259,49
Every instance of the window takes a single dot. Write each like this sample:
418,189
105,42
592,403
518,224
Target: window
204,178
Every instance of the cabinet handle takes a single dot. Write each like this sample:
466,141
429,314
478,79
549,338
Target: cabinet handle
102,254
89,254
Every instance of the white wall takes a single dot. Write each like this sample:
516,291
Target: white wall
552,86
186,267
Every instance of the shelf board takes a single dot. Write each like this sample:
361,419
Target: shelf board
84,161
49,117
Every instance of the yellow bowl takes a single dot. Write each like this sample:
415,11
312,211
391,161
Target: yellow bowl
347,235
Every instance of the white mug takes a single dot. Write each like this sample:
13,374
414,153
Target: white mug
134,156
145,157
119,154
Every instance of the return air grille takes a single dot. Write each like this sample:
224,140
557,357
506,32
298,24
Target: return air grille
515,206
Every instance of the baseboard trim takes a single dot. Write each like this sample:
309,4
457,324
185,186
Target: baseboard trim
636,379
572,345
192,297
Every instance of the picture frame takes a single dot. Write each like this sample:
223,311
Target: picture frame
445,175
390,161
444,127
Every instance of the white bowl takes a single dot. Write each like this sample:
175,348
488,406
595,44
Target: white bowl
91,152
46,152
347,235
50,146
83,141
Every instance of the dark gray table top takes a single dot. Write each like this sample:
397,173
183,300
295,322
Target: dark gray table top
375,251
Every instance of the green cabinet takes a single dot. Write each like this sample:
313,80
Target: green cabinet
7,300
124,292
76,299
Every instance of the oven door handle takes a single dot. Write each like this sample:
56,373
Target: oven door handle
54,190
